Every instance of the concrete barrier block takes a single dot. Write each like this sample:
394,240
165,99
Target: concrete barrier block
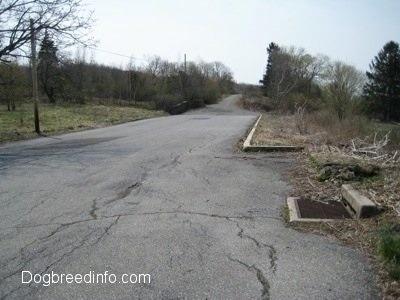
362,206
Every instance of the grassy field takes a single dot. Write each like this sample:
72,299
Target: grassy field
55,119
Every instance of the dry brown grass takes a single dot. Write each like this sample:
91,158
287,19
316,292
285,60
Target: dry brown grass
275,130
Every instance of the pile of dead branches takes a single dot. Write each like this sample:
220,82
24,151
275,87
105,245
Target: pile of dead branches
365,150
362,149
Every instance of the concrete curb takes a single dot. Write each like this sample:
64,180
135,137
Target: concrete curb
246,143
356,203
247,147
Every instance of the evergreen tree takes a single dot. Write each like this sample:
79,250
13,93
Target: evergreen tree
382,91
267,78
48,68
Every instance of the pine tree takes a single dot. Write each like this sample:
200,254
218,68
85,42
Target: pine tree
267,78
382,91
48,68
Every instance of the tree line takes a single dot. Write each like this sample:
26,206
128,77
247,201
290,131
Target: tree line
293,77
163,84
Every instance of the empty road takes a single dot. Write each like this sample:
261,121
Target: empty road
161,209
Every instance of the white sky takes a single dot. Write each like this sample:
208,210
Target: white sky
237,32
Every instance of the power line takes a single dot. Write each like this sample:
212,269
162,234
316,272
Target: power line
115,53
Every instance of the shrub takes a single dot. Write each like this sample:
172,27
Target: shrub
394,272
389,248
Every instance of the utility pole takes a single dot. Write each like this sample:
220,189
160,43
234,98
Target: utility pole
130,84
34,78
185,63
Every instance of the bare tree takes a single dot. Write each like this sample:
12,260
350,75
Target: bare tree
224,77
13,82
284,77
66,20
344,84
154,65
307,69
289,70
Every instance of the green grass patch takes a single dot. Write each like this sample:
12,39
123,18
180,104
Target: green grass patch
378,178
323,177
314,161
54,119
285,214
394,272
389,248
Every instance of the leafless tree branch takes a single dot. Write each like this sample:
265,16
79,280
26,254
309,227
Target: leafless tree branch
66,20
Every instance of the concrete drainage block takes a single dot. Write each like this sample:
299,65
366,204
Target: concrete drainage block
353,204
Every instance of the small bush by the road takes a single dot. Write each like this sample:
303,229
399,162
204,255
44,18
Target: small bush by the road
389,249
389,246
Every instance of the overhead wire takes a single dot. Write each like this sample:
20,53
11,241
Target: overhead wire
115,53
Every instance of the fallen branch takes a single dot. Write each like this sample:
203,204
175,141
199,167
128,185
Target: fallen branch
309,181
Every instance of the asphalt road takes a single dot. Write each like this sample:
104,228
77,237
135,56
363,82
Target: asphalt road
169,197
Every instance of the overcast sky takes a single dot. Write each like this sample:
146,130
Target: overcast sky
237,32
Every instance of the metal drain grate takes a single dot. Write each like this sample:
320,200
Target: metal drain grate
309,209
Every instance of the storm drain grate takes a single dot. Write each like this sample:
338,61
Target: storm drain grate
310,209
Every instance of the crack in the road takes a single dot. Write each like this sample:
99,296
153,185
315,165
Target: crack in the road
93,209
106,230
226,217
265,295
23,249
271,249
41,202
174,212
124,193
62,226
68,253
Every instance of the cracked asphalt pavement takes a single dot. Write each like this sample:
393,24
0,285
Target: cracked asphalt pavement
167,197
